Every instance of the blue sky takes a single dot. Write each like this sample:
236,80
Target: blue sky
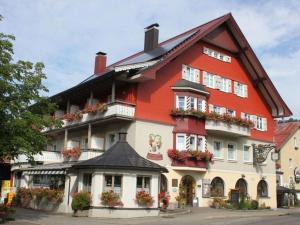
66,34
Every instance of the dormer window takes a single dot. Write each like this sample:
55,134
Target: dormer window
190,74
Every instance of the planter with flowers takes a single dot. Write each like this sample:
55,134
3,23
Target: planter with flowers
192,158
71,153
81,203
73,116
144,199
94,108
213,116
164,199
111,199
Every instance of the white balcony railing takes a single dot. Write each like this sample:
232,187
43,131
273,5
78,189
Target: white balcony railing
226,128
56,157
119,109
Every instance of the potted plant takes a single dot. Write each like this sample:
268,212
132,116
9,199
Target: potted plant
181,200
164,199
144,199
111,199
81,203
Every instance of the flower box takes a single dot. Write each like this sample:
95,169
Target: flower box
190,163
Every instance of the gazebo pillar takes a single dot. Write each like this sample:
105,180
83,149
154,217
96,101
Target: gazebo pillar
97,188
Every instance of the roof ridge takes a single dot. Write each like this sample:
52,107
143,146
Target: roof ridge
170,39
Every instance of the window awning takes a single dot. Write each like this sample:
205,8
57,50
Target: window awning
46,172
53,168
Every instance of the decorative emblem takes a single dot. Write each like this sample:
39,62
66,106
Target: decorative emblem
260,152
155,144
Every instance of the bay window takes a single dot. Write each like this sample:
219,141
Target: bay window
181,102
143,184
180,142
193,142
201,105
193,103
113,183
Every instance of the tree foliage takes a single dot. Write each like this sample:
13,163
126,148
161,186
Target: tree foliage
23,111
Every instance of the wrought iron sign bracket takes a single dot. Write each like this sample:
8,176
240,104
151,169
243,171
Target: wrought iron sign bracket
261,151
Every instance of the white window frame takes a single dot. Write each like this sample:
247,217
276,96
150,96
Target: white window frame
143,188
201,105
250,159
202,148
190,73
221,150
233,114
259,123
184,142
195,147
217,55
194,102
113,188
177,102
234,152
240,89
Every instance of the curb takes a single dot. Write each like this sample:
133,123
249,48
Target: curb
173,214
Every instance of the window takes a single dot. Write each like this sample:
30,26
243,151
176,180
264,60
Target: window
295,143
193,103
240,89
241,185
246,153
201,143
111,139
84,143
193,142
217,109
87,182
216,55
230,112
208,79
225,85
231,154
143,184
190,74
259,123
48,181
180,102
262,189
290,163
114,183
217,187
180,142
201,105
217,149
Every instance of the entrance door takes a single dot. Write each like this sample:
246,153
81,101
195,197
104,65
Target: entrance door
187,187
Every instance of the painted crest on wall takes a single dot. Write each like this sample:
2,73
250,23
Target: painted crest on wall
155,143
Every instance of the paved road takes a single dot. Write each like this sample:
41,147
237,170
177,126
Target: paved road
197,217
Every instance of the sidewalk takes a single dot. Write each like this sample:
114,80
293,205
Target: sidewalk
190,216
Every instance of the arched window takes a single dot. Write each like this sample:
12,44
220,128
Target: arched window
217,187
262,189
241,185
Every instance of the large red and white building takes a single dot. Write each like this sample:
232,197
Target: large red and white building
199,92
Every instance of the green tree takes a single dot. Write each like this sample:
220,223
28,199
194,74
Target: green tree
23,111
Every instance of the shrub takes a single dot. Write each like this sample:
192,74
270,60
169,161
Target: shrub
81,201
144,199
110,199
218,203
254,204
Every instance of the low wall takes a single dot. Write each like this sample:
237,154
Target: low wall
42,204
122,212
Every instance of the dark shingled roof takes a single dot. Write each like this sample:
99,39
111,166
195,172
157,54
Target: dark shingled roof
121,156
188,84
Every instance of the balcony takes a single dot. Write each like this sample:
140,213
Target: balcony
48,156
55,157
117,110
226,128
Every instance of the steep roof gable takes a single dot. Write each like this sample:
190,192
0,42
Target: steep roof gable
284,131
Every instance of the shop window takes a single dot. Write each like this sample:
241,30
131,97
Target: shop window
87,182
262,189
143,184
48,181
114,183
217,187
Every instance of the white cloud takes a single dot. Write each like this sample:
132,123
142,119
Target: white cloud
66,34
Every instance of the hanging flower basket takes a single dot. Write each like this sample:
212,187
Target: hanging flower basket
94,108
73,116
74,152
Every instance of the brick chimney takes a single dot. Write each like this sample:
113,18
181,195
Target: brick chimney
100,63
151,37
